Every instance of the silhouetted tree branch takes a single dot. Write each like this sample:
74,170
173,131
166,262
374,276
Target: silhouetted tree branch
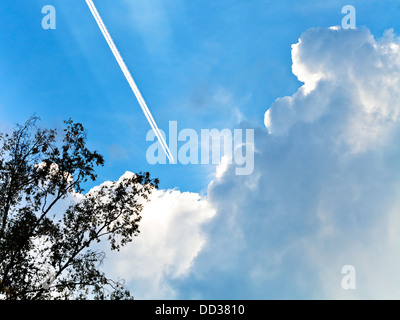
36,173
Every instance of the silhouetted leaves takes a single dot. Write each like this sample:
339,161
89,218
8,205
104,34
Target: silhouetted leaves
47,253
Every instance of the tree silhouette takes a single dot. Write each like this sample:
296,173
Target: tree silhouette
47,252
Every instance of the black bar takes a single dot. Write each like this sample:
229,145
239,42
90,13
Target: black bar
140,309
174,309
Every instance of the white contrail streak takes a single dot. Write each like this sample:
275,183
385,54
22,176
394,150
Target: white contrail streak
130,80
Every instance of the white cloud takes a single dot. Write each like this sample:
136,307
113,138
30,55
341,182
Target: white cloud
325,188
170,238
348,73
169,241
324,192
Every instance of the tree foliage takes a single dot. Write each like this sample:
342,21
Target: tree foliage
47,248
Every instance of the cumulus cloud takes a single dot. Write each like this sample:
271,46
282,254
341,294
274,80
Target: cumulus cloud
324,192
169,241
345,73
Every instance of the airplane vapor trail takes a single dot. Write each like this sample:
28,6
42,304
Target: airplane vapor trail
129,78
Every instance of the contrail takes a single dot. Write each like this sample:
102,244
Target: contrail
130,80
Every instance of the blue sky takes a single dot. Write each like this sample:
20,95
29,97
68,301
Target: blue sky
209,64
199,63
